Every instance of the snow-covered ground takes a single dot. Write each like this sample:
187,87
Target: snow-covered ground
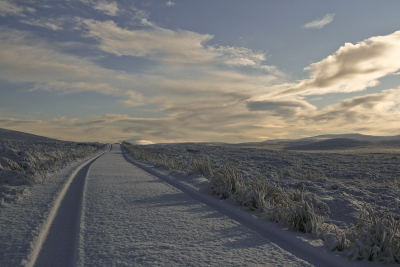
344,180
105,211
338,183
24,163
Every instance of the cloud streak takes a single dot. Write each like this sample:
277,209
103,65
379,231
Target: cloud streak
318,24
354,67
8,8
376,112
183,47
107,7
52,24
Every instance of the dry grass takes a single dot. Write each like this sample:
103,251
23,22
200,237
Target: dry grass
157,161
204,167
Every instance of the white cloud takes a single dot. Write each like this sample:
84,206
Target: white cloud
328,18
109,8
26,59
170,3
29,60
171,47
10,8
375,113
76,87
180,47
238,56
353,67
52,24
63,128
134,99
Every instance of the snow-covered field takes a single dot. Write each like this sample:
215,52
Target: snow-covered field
85,207
355,193
28,162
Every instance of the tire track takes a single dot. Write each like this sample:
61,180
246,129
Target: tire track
58,241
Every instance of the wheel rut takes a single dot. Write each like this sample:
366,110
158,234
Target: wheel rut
58,241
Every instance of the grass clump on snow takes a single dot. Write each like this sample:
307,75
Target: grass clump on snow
23,163
301,173
157,161
287,207
204,167
227,181
375,237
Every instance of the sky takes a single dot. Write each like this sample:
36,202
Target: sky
156,71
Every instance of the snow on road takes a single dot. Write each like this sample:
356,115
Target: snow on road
132,218
25,224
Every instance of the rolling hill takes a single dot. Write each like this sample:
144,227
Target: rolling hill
20,136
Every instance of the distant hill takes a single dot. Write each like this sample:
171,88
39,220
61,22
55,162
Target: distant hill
335,143
330,142
320,142
20,136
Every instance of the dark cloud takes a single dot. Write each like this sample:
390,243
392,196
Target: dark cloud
283,108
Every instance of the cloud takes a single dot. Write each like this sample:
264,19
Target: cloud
26,59
185,101
170,3
134,99
76,87
109,8
354,67
238,56
65,129
230,121
375,113
318,24
10,8
173,46
53,24
29,60
281,108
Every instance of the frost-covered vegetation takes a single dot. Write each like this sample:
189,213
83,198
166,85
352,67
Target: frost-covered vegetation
349,199
24,163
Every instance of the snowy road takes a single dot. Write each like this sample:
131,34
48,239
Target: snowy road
113,213
132,218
